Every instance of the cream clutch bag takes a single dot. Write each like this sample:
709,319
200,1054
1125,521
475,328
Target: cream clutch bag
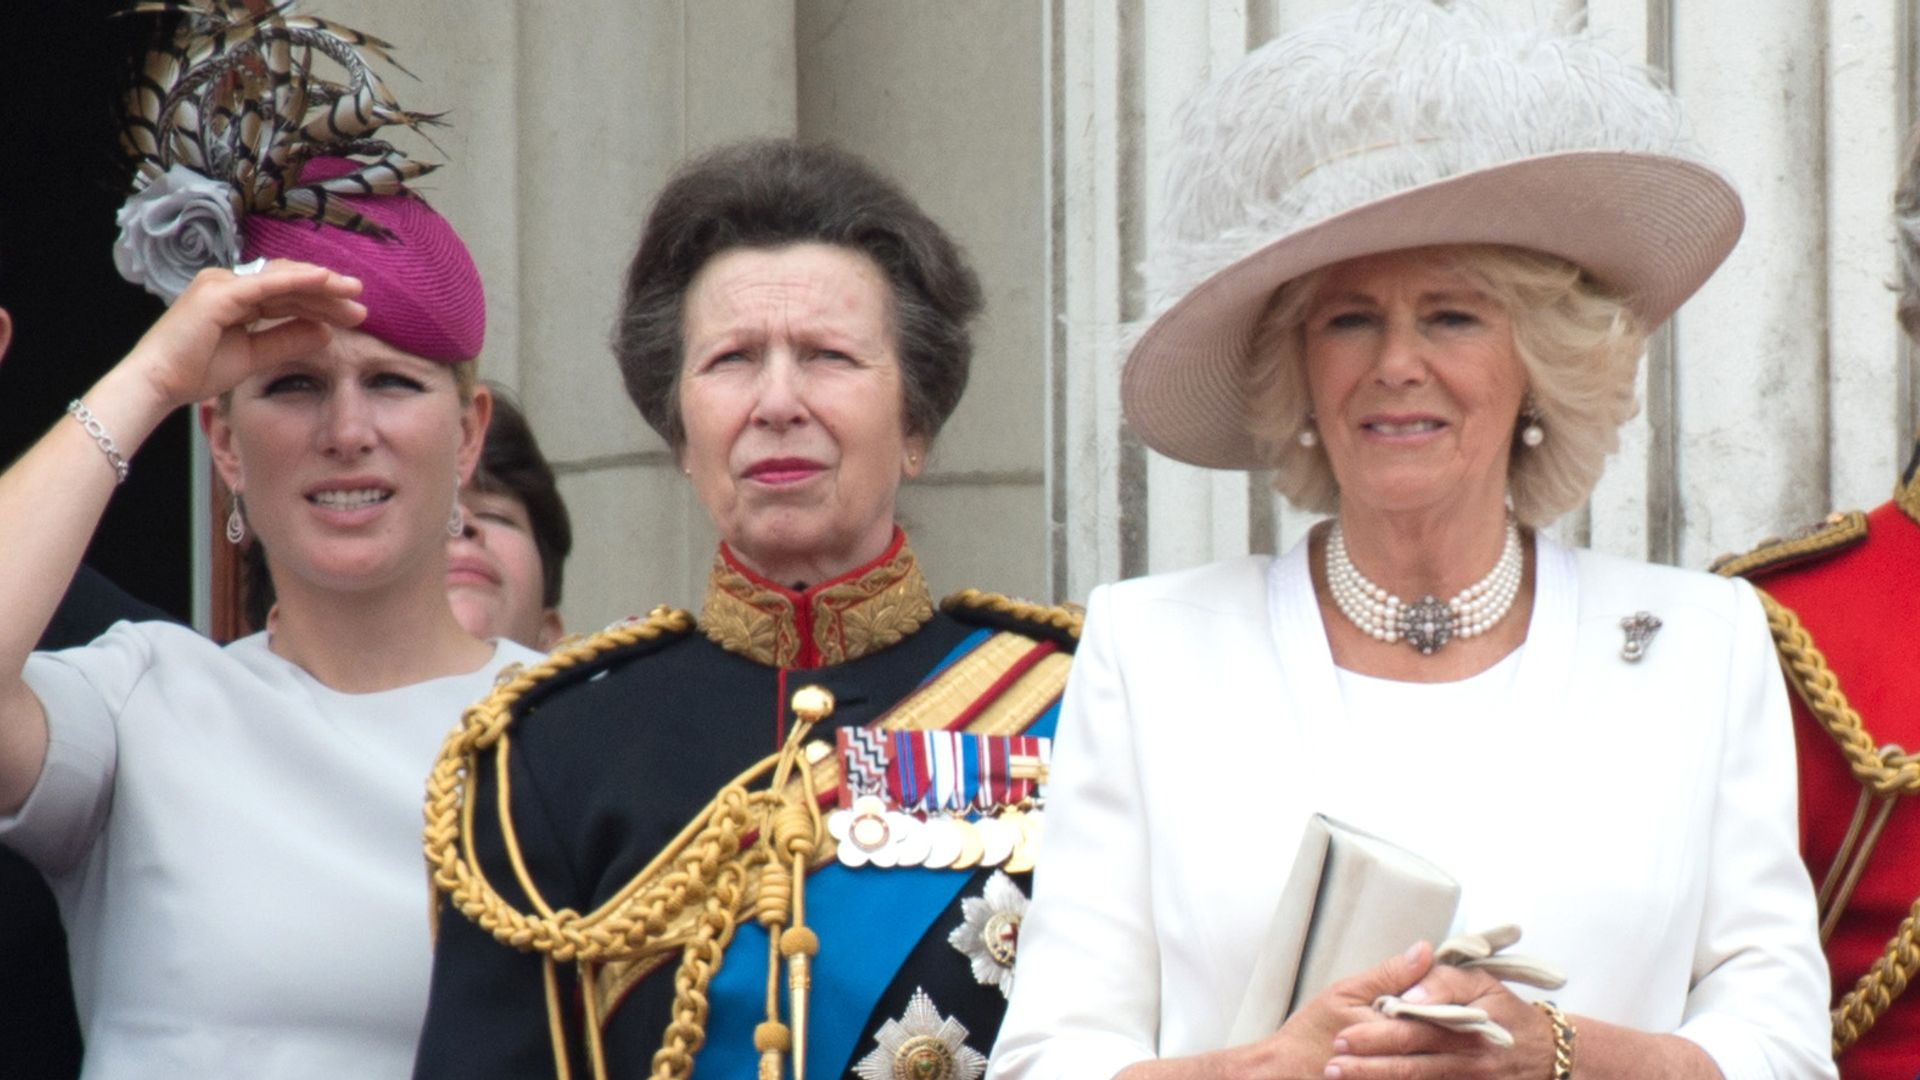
1352,901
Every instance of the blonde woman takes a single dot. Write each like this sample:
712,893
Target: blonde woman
1411,264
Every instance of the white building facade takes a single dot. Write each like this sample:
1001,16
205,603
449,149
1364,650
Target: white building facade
1035,130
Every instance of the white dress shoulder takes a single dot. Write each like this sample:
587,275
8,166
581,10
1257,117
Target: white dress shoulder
236,851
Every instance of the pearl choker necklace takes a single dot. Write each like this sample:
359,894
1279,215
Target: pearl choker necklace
1427,623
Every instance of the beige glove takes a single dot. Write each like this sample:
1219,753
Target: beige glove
1479,952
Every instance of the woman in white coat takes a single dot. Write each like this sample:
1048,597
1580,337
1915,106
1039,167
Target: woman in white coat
1410,266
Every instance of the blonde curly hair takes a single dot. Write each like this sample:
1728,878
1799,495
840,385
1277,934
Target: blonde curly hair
1578,340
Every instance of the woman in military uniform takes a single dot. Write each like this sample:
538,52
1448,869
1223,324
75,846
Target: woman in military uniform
791,833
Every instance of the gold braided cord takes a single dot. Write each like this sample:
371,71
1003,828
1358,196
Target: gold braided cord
934,706
1884,772
741,857
700,872
1062,617
1806,666
1875,992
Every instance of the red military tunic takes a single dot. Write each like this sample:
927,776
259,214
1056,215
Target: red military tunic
1853,588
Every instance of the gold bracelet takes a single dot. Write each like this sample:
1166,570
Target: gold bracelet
1563,1036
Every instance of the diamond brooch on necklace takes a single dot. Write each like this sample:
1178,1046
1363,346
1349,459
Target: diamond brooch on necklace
1429,622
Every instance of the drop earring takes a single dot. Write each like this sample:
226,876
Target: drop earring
236,525
1306,438
457,521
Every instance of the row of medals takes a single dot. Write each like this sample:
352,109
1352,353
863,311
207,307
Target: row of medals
869,833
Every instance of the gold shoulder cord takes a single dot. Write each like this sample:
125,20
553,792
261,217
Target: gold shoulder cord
1885,774
747,852
1064,618
701,873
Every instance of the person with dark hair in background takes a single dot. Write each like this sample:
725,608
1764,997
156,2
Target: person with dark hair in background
504,569
657,850
1843,601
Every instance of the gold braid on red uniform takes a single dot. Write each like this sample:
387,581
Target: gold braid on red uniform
1885,774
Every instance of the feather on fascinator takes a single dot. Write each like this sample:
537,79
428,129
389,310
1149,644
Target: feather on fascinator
243,148
1397,124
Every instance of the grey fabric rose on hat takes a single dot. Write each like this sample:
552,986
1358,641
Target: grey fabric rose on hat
179,224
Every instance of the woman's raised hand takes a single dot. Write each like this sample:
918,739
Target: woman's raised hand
226,326
51,499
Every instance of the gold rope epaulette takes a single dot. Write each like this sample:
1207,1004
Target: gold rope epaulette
1837,532
745,855
1059,621
702,869
1885,774
579,655
483,723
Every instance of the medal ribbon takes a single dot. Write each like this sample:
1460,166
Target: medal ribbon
933,771
863,763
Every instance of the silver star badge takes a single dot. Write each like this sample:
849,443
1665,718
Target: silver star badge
922,1045
991,934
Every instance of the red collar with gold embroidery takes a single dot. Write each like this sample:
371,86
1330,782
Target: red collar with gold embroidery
862,611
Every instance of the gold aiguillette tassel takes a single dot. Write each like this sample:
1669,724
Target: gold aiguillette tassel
796,832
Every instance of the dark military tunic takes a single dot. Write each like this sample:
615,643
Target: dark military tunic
1844,604
611,759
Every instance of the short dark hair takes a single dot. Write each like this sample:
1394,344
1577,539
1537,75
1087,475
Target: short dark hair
771,193
511,464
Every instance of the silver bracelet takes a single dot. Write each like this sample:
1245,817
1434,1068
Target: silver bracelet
99,432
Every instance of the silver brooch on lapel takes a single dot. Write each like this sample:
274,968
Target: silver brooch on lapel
1639,628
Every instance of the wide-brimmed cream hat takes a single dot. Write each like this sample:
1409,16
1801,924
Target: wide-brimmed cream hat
1400,124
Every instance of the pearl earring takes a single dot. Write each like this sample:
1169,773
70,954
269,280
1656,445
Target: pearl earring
1306,438
1532,434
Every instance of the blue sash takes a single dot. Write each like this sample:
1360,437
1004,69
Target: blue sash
868,920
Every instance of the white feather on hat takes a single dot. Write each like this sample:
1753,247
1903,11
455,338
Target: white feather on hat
1395,124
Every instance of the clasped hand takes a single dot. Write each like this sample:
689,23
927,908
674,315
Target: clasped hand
1419,1016
1459,1020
